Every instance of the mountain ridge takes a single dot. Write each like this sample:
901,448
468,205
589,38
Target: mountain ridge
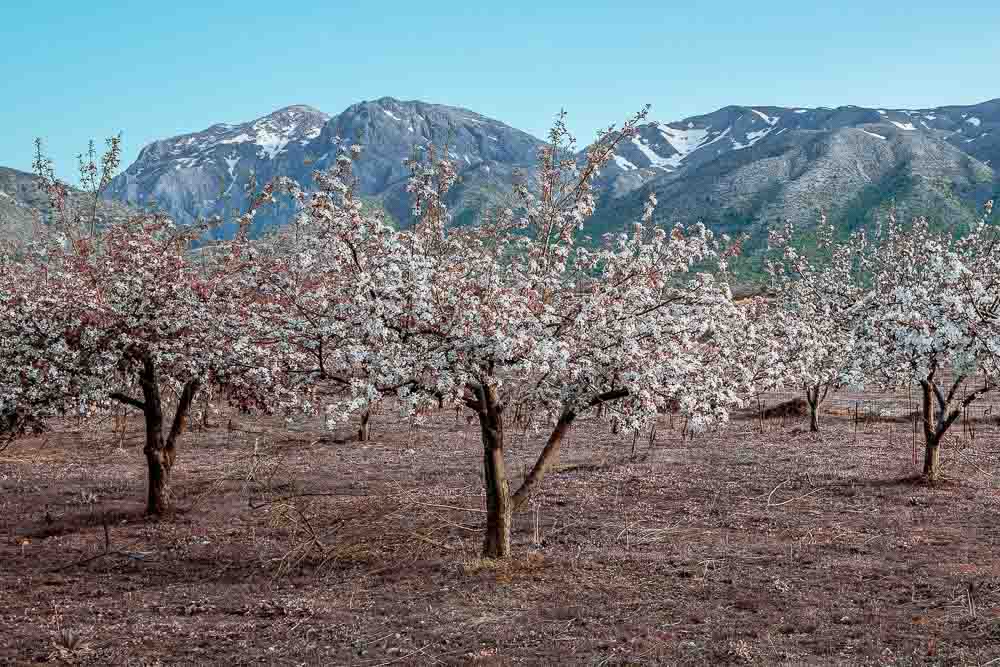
24,203
738,168
196,175
746,168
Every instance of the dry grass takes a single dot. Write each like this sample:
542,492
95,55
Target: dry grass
738,547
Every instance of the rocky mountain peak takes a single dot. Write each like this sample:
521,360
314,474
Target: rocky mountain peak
736,166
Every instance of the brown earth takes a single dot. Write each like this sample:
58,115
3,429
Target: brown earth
289,548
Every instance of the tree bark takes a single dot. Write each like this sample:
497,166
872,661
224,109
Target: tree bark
940,411
932,433
812,398
159,461
496,543
364,431
161,453
815,399
548,457
932,460
550,453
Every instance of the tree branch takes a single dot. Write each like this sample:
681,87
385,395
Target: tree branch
127,400
183,407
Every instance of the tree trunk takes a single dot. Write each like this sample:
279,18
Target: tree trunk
932,434
548,457
161,453
205,421
364,431
813,399
498,505
932,460
159,461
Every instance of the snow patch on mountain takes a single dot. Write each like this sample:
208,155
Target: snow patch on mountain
654,159
624,164
683,140
271,134
752,138
240,138
904,126
770,120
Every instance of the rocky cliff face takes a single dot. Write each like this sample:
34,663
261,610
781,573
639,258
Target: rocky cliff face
205,173
486,152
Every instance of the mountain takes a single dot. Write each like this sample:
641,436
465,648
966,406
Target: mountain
205,173
740,168
23,202
745,168
20,199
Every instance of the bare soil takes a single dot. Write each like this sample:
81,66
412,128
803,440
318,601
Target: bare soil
758,544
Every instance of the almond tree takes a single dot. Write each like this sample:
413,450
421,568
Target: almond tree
514,314
123,312
932,317
814,314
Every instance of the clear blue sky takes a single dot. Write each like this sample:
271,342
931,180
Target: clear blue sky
73,71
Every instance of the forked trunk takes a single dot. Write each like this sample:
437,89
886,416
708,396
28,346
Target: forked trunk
546,460
814,399
161,453
364,431
496,543
940,411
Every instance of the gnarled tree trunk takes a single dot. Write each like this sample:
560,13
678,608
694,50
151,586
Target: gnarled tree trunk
160,451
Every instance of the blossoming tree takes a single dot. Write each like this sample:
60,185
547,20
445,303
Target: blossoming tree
513,314
323,280
816,300
97,312
932,316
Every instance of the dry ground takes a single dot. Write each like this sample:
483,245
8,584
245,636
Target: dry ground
288,547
